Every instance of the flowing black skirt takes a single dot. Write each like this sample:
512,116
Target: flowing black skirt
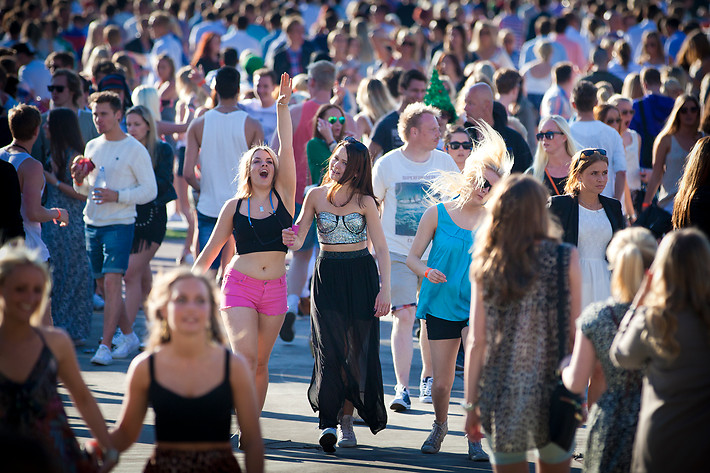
346,339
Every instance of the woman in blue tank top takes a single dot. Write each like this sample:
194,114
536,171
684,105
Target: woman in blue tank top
445,295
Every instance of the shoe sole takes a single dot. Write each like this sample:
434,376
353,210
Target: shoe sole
397,407
286,333
347,444
328,441
429,452
100,363
425,400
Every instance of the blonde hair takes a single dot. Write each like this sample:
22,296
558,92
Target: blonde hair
680,282
151,137
630,254
243,178
541,157
374,99
149,98
186,89
411,116
489,153
15,254
159,298
476,35
673,122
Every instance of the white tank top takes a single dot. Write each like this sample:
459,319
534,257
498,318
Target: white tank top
223,144
33,230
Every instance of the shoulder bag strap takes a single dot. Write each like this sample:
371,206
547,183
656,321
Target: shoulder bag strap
561,329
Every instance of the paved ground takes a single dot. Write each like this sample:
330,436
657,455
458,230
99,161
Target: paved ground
289,426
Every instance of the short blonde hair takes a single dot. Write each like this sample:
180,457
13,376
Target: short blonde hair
410,118
630,254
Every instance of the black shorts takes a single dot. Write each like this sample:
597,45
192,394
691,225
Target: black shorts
441,329
151,225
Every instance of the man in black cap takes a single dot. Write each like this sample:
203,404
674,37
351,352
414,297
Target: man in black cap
117,83
34,76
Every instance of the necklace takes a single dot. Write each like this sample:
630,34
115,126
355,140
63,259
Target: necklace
13,144
261,207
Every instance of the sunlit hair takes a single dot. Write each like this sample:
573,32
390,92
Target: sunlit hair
186,89
476,34
630,253
245,188
541,156
169,61
632,86
203,48
490,152
374,99
645,55
149,98
680,282
358,172
15,254
151,137
321,113
696,173
505,250
579,164
160,297
616,99
411,117
673,122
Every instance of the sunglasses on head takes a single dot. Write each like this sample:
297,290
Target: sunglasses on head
461,144
611,121
333,120
685,110
590,152
352,141
58,88
547,135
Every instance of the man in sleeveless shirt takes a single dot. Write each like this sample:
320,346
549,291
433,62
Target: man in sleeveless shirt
216,142
321,79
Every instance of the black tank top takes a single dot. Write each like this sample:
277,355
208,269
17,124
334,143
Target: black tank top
192,419
254,235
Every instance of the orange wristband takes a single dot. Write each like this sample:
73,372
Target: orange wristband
426,273
59,215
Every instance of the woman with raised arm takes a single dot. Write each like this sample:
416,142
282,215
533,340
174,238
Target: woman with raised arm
347,298
254,285
193,383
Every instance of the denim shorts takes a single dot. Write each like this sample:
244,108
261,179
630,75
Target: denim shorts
550,453
267,297
109,248
205,225
405,284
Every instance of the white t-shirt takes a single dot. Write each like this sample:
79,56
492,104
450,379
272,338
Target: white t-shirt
400,185
265,116
595,134
35,78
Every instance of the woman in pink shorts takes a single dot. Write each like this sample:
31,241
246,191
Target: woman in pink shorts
254,284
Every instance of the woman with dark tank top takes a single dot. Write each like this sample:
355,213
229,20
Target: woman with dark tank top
346,296
192,382
254,284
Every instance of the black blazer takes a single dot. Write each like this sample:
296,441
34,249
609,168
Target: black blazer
566,208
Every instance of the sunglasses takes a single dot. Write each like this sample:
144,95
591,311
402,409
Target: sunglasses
461,144
547,135
58,88
334,120
486,185
408,43
352,141
686,110
628,112
590,152
611,121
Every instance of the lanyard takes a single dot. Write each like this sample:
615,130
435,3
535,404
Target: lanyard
273,211
554,186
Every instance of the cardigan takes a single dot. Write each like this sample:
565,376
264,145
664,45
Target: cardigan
566,208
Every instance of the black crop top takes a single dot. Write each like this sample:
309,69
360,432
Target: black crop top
192,419
254,235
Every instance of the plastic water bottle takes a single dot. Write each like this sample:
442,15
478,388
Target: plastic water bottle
100,183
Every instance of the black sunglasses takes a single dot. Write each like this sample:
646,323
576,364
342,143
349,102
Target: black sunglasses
590,152
486,185
685,110
333,120
547,135
613,120
461,144
58,88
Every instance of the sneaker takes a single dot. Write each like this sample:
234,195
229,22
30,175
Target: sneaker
433,443
287,333
117,337
98,302
401,401
130,344
102,356
425,390
327,439
346,434
476,453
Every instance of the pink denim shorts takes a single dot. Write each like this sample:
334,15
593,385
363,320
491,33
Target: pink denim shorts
266,297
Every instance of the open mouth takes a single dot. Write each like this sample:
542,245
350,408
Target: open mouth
264,173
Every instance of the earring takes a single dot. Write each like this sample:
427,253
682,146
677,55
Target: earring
164,330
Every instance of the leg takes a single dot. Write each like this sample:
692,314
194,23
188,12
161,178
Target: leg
137,264
521,467
114,305
443,360
269,326
424,351
563,467
402,346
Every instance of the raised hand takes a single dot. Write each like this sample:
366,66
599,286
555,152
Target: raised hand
285,89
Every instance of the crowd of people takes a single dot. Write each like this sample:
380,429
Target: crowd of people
450,165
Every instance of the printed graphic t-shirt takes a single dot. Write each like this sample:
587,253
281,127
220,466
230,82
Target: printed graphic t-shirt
400,184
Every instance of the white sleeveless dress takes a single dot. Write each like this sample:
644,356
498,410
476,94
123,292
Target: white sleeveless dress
595,233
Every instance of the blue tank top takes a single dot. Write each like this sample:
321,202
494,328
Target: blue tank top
451,254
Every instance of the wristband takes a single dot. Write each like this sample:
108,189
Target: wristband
56,184
426,273
469,406
645,205
59,216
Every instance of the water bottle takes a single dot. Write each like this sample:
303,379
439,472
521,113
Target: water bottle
100,183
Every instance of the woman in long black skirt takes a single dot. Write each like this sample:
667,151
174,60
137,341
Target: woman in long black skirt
346,298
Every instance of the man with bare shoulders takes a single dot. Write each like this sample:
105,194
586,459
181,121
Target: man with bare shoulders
216,142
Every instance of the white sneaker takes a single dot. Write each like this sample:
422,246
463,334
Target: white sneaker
117,338
327,439
102,356
346,434
401,401
425,390
98,302
130,344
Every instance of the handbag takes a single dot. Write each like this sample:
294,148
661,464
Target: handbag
565,406
655,219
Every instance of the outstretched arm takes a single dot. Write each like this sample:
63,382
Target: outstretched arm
218,238
293,236
286,183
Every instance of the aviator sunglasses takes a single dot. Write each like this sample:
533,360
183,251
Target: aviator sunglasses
547,135
333,120
461,144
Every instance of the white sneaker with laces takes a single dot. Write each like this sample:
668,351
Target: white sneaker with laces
129,344
346,434
103,356
425,390
98,302
401,401
117,337
328,437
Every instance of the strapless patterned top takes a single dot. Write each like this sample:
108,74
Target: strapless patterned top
341,229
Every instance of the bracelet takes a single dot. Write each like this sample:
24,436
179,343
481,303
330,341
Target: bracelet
56,184
645,205
426,273
59,215
282,104
469,406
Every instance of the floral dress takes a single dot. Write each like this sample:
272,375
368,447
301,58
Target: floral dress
613,419
72,284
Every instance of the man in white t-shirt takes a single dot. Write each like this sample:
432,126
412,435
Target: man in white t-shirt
110,213
262,108
591,133
400,181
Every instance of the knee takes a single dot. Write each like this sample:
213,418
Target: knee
404,318
440,388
